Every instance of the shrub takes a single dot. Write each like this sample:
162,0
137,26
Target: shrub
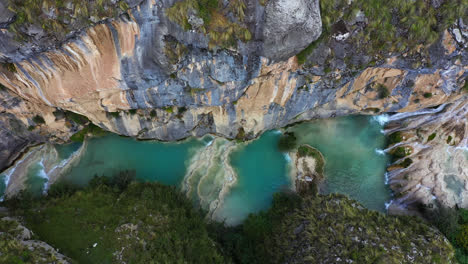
382,91
287,142
431,137
427,95
406,163
395,137
38,119
77,118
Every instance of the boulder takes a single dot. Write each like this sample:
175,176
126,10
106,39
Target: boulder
290,26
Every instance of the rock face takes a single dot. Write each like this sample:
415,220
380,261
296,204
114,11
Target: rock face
435,172
144,76
290,26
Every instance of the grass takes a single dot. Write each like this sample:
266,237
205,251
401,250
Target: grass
223,31
431,137
64,20
393,26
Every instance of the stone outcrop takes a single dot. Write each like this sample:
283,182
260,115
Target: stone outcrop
290,26
18,238
435,172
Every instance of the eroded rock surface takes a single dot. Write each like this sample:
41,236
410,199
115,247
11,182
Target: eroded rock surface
290,26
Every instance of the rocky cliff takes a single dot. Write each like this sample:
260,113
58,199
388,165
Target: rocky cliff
169,69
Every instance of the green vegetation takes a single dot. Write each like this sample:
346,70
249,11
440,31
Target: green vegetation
153,113
393,26
287,142
89,129
406,163
400,152
15,250
306,150
427,95
56,19
169,109
302,56
133,223
222,31
77,118
9,67
431,137
449,139
320,229
38,119
132,111
465,86
453,223
382,91
240,137
395,137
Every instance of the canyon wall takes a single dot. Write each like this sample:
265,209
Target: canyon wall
144,75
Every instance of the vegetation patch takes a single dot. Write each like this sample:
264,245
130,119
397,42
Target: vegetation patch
217,23
57,18
90,129
382,91
427,95
77,118
453,223
431,137
38,119
306,150
449,139
114,221
287,142
322,228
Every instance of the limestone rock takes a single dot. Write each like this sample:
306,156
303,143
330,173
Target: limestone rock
290,26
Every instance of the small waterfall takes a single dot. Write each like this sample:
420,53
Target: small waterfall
10,172
401,116
381,119
43,174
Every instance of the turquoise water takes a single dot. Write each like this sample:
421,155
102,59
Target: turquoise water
349,145
262,171
353,166
151,160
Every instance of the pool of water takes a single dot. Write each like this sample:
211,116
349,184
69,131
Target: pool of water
354,166
228,179
262,171
151,160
